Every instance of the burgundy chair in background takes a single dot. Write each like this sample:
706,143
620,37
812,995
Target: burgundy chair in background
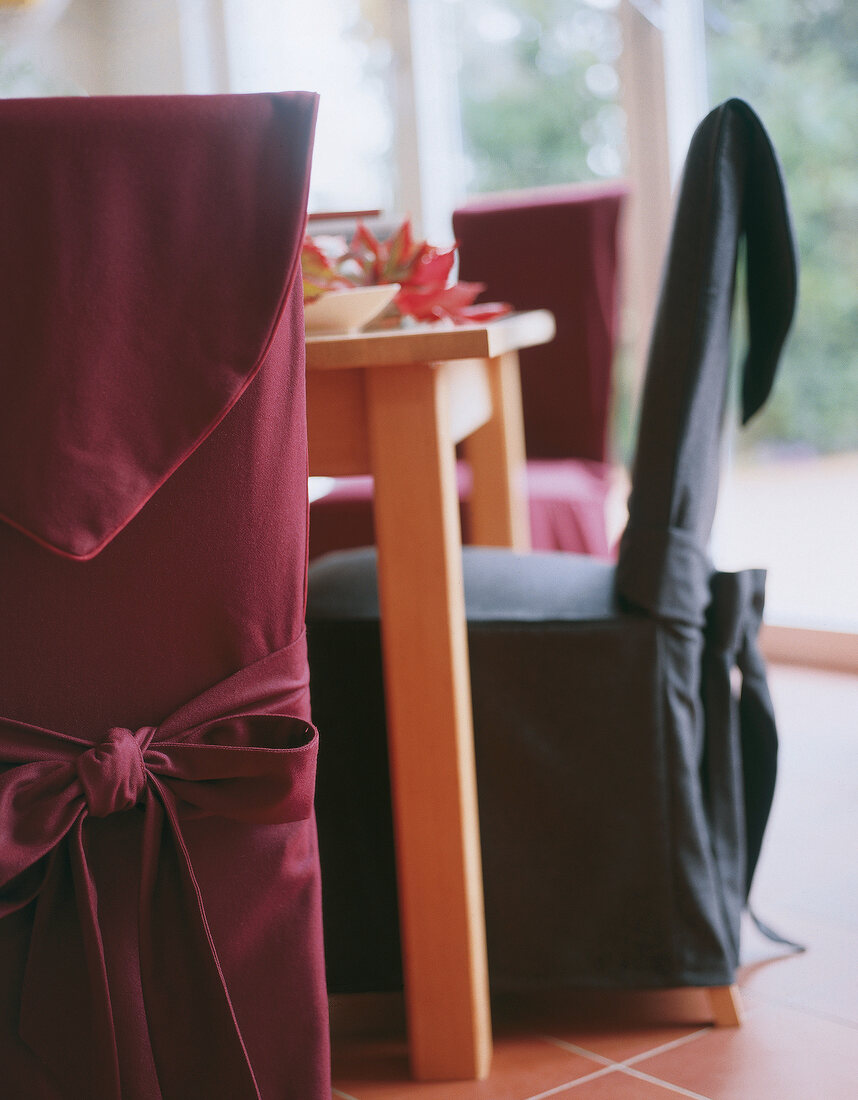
160,932
551,248
557,248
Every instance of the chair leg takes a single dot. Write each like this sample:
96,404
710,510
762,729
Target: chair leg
726,1004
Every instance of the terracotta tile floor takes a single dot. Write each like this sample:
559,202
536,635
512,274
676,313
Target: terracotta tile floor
799,1040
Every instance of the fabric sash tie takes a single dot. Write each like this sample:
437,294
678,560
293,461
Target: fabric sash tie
740,775
734,624
248,766
740,765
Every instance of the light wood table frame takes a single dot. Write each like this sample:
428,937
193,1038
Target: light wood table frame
394,404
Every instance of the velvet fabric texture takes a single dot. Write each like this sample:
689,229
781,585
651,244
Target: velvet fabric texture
160,927
549,248
624,785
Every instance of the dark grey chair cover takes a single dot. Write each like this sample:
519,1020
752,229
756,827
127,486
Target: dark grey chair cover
624,786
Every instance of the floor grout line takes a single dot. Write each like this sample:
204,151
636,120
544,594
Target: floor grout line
662,1083
572,1084
573,1048
608,1066
681,1041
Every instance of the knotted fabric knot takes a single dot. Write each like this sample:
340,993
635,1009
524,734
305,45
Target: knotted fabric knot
221,755
112,773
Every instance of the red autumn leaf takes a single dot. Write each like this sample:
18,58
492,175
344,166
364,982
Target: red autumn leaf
421,270
434,303
365,251
318,273
364,239
433,267
484,311
401,254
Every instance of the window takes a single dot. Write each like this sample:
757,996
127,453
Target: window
795,61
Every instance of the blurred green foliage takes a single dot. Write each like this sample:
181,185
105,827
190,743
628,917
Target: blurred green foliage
539,92
540,106
796,62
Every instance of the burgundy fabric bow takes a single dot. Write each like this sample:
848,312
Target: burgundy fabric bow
254,768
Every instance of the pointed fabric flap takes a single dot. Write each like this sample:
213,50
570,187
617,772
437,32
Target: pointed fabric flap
149,245
772,267
731,187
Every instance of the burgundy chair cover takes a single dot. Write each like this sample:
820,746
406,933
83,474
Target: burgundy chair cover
554,248
625,742
550,248
159,891
566,508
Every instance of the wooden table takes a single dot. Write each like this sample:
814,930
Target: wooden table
394,404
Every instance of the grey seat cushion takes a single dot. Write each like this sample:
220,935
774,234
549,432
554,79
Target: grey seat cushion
499,586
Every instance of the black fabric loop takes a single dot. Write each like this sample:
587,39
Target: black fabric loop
759,748
736,607
739,781
720,772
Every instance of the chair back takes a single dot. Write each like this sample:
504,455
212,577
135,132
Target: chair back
731,190
554,248
153,484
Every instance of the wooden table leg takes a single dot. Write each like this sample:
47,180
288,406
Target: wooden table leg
429,722
498,508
